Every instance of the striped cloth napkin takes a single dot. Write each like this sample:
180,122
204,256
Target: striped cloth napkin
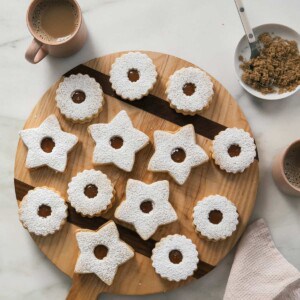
259,271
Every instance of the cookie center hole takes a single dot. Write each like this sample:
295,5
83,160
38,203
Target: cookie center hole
234,150
78,96
178,155
116,142
146,206
91,191
133,75
44,211
100,251
189,89
215,216
47,144
175,256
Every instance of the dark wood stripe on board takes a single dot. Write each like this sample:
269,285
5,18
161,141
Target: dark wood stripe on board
127,235
155,105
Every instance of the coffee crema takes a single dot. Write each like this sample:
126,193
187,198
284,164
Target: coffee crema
55,20
292,166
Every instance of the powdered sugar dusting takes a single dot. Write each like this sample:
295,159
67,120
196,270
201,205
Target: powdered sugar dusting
162,264
118,252
166,142
146,223
29,207
234,136
119,78
228,223
93,97
82,203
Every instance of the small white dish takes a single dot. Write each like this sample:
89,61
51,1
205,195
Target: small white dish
244,50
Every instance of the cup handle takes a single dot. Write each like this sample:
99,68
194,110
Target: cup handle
35,53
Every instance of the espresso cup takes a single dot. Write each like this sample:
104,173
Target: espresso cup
58,29
286,169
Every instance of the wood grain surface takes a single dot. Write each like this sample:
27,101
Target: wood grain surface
137,277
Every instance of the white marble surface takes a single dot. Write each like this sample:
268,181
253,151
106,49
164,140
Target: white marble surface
204,32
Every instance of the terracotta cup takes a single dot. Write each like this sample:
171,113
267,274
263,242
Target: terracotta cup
40,48
278,171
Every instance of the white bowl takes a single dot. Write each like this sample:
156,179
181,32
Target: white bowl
244,50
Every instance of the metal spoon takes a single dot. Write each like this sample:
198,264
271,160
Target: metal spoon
253,43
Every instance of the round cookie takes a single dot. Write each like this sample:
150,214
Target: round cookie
79,98
177,153
117,142
102,252
189,90
146,206
43,211
233,150
90,193
215,217
133,75
175,257
48,145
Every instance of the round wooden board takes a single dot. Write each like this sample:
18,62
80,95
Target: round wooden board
137,276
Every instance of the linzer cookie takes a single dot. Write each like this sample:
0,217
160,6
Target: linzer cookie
117,142
90,193
79,98
177,153
43,211
215,217
146,206
233,150
102,252
133,75
48,145
175,257
189,90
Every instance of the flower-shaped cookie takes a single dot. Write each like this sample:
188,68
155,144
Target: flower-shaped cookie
79,98
175,257
133,75
176,153
102,252
117,142
48,145
146,206
43,211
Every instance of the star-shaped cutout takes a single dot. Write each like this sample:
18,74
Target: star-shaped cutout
176,153
146,206
48,145
117,142
118,252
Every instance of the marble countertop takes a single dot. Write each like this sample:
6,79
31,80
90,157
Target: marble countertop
200,31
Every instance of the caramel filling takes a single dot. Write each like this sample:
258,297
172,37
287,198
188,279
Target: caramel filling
44,211
100,251
146,206
47,144
91,191
234,150
175,256
178,155
133,75
116,142
189,89
215,216
78,96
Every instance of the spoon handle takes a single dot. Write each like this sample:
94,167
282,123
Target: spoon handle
247,28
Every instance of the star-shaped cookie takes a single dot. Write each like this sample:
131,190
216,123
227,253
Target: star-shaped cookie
48,145
146,206
117,252
176,153
117,142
